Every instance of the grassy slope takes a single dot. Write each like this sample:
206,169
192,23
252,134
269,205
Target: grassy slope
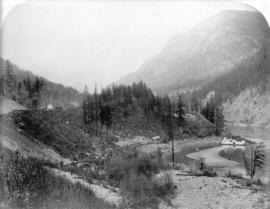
13,139
7,105
26,183
58,131
195,125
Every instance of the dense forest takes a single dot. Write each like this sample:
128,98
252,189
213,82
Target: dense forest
20,85
115,104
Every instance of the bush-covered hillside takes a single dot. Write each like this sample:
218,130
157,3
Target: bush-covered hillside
12,85
28,183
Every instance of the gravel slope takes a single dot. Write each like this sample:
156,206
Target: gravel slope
211,193
105,193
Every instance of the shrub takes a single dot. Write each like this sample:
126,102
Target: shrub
140,189
118,167
233,175
141,163
201,169
209,172
134,172
24,179
163,184
26,184
202,165
146,165
136,185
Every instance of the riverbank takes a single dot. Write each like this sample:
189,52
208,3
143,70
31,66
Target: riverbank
179,145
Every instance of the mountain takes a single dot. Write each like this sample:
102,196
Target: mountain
13,88
226,41
228,56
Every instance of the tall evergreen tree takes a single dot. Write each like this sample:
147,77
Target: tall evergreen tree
38,85
106,116
96,110
34,90
11,81
219,121
180,111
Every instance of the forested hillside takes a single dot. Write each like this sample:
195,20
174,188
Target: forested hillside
134,108
20,85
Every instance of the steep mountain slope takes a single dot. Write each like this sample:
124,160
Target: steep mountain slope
249,108
57,94
252,105
227,41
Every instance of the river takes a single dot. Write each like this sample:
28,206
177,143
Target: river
232,159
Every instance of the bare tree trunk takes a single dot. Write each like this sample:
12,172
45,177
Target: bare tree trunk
173,151
252,164
100,130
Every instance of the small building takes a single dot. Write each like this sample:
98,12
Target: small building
156,137
233,142
49,106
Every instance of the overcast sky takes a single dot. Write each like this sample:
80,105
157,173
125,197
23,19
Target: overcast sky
83,42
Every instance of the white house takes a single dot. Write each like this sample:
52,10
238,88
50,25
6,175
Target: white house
156,137
226,141
50,106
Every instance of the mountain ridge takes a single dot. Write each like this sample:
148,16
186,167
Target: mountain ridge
228,54
198,52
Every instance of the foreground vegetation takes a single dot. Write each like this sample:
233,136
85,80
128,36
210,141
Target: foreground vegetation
136,175
26,183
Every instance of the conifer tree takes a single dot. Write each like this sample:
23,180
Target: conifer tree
219,121
34,91
180,111
254,159
11,81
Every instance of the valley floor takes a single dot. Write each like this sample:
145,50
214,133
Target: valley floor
202,192
212,192
148,145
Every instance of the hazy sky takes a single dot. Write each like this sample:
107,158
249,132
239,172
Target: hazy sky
80,42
